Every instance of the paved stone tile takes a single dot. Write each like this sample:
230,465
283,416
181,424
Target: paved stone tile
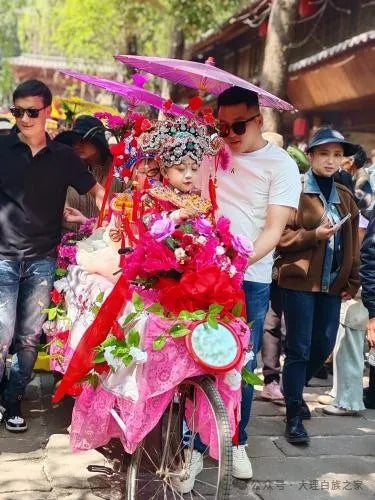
263,447
14,456
295,469
69,470
35,438
317,426
337,445
73,494
23,478
330,487
267,409
28,495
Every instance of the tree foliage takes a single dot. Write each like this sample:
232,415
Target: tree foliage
95,29
9,44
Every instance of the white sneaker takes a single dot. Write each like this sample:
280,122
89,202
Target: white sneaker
193,466
2,413
241,463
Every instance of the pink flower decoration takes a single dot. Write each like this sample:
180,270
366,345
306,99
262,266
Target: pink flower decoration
203,226
114,121
243,245
139,80
225,157
162,228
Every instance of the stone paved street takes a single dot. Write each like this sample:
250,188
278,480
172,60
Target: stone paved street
339,463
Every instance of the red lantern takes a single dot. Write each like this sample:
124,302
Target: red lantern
263,28
300,127
307,8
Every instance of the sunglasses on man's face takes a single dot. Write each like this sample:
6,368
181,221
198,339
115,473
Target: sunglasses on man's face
18,112
238,127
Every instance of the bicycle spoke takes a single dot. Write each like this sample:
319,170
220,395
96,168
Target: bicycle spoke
197,493
205,482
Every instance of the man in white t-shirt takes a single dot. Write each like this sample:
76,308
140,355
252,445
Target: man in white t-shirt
257,193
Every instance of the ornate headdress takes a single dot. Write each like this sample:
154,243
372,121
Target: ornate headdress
175,139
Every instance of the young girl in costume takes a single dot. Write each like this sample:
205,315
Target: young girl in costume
187,267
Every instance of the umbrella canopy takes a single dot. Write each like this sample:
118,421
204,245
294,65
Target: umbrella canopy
202,76
78,107
134,95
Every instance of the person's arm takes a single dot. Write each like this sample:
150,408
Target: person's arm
353,281
295,238
97,192
277,217
367,275
283,198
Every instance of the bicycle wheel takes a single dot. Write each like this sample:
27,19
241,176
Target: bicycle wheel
164,458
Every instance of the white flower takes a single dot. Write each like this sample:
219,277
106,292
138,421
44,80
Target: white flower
61,285
249,356
49,326
113,362
180,253
233,379
220,250
139,356
202,240
232,271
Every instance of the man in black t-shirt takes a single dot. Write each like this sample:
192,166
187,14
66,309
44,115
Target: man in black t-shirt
35,174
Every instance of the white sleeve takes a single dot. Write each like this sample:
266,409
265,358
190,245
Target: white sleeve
285,188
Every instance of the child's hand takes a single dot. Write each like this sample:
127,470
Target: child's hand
188,213
73,215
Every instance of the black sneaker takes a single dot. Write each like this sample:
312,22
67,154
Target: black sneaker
14,421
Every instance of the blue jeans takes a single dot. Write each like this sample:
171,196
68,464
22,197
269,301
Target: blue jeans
25,288
257,300
311,320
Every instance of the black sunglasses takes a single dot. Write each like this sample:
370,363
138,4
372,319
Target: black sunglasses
239,127
18,112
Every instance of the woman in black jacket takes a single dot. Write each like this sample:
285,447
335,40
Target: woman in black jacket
367,275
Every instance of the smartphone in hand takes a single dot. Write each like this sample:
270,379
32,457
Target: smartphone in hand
341,222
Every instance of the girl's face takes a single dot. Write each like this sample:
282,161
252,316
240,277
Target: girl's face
326,159
182,176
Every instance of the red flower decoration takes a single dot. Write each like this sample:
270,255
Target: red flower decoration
145,125
197,290
56,297
178,234
117,149
195,103
167,105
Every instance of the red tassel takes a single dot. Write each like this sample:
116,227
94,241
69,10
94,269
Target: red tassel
136,200
107,188
129,232
165,181
236,436
82,360
212,192
146,184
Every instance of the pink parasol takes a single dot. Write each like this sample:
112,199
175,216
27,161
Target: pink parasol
134,95
205,77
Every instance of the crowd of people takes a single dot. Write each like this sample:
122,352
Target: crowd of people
312,235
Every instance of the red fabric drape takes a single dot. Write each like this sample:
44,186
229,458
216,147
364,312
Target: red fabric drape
82,360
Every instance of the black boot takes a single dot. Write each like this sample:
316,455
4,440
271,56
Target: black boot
305,411
295,433
369,393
